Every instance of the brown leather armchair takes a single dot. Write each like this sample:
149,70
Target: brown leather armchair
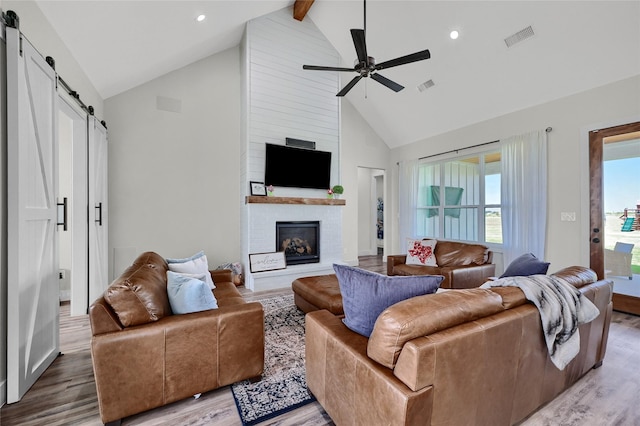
145,357
463,265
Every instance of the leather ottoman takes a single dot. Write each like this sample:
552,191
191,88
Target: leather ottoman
318,292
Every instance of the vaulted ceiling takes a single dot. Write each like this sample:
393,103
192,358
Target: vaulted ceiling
577,45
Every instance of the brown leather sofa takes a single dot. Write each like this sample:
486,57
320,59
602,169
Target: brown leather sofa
460,357
145,357
463,265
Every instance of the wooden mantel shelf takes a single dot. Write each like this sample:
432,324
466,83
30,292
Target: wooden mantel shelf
252,199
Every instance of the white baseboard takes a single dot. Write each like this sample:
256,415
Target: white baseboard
368,252
65,295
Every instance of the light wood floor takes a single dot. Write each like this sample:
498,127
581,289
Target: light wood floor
66,394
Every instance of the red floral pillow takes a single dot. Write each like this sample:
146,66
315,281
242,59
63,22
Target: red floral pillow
421,252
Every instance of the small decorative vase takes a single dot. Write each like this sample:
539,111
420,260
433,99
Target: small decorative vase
336,196
329,195
270,193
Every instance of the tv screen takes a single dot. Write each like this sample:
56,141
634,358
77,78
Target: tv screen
297,168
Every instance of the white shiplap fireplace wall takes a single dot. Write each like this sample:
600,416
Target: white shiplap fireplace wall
282,100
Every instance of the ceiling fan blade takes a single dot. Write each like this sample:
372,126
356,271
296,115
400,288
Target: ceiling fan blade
360,44
349,86
321,68
414,57
385,81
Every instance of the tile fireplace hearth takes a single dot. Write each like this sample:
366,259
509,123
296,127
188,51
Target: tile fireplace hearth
260,237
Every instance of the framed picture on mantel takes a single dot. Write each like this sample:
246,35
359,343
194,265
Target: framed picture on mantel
258,188
260,262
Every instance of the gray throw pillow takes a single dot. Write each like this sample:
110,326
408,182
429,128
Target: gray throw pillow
366,294
526,265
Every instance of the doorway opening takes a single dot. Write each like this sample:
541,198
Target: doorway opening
621,190
73,187
371,213
65,187
614,187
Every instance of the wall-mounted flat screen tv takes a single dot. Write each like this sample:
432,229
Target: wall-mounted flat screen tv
296,167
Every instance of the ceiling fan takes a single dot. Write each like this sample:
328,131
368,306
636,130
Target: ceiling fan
366,65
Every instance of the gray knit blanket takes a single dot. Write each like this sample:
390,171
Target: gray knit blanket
562,309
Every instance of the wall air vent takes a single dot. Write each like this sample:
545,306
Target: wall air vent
519,36
427,84
168,104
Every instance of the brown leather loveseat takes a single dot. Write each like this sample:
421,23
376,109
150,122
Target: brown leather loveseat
145,357
460,357
463,265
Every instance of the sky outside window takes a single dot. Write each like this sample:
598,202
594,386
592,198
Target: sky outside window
621,184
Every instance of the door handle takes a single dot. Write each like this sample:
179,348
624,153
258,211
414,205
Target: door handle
99,213
62,214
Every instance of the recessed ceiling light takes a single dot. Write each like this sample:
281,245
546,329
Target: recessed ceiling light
200,18
454,34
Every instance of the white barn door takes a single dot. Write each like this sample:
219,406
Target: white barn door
32,247
98,210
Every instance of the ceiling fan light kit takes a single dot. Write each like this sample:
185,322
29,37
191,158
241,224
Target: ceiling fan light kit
365,65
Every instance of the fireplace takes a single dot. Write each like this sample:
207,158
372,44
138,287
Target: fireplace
300,241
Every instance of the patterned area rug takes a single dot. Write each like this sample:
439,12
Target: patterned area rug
283,386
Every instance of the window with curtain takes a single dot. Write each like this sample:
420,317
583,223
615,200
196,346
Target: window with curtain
459,199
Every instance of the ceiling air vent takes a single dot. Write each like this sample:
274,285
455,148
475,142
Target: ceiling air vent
519,36
424,86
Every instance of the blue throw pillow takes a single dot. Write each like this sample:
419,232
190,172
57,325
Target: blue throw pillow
188,294
526,265
366,294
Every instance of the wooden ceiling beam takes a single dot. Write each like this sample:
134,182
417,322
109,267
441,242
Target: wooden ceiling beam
300,8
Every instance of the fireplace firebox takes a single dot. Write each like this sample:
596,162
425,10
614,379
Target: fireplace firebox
300,241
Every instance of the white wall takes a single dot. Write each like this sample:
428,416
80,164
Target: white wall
140,214
571,118
360,147
283,100
174,176
3,220
42,35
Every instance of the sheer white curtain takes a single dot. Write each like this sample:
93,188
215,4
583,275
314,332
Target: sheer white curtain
524,195
407,199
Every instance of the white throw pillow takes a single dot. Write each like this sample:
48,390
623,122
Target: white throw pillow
187,294
421,252
196,264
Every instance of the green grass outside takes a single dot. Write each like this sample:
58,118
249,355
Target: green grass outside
493,229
